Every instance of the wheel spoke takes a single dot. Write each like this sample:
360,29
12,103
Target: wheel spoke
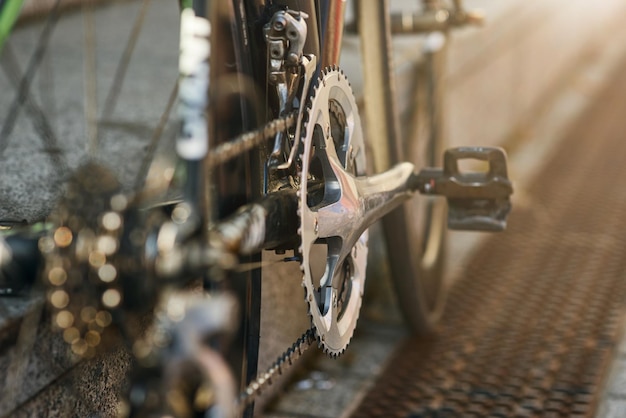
91,87
41,123
156,138
120,72
25,82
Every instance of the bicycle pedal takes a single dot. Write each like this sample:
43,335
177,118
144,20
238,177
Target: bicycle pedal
477,200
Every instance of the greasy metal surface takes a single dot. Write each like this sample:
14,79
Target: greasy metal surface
530,328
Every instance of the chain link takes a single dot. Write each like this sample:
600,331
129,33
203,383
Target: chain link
221,154
249,140
284,361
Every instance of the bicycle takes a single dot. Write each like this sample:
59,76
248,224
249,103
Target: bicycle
281,114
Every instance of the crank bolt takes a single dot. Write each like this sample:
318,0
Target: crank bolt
279,24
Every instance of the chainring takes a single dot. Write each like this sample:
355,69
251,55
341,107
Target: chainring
333,275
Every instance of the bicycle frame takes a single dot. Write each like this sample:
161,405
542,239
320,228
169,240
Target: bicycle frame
237,79
325,23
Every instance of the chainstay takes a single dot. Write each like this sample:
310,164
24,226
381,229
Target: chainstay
249,140
284,361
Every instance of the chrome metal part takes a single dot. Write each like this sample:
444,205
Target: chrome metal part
257,226
269,224
285,35
310,65
245,231
333,153
336,207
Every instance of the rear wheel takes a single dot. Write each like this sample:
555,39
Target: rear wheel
81,81
237,61
416,232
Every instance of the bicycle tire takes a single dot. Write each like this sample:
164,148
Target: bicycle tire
233,85
414,233
417,231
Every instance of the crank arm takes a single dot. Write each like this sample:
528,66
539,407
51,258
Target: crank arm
477,201
363,201
271,223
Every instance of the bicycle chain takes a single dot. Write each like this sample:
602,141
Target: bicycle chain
221,154
283,361
249,140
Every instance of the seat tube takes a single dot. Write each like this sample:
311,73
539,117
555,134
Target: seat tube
331,33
